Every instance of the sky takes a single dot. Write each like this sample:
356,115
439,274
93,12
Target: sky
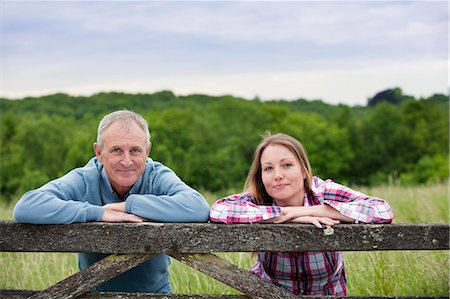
336,51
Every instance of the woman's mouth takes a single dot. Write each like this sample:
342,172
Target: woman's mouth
280,186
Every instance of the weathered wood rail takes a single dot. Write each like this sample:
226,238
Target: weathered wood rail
193,244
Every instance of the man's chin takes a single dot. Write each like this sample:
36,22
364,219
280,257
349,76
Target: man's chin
127,181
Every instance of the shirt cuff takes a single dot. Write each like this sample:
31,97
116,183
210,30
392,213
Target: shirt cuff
128,203
95,213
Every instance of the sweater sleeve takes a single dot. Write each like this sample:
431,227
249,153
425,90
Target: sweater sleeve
354,204
240,208
170,200
57,202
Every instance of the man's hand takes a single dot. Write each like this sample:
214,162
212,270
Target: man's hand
116,206
115,212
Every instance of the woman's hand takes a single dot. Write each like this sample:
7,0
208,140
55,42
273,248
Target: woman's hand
317,221
316,215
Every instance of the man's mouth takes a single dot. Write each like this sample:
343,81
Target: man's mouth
126,170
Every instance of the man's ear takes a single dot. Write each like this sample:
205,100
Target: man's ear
149,148
97,151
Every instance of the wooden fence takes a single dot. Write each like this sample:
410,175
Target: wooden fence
193,244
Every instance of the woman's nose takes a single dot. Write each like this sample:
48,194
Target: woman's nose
278,173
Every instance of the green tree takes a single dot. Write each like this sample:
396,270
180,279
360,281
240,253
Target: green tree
381,144
327,145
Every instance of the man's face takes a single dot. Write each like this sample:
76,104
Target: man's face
123,155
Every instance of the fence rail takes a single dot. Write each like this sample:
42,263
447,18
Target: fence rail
193,244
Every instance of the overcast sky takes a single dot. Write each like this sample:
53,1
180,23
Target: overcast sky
336,51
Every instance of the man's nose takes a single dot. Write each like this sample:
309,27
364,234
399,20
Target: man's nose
126,159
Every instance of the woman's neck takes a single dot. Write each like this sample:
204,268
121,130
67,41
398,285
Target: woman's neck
297,201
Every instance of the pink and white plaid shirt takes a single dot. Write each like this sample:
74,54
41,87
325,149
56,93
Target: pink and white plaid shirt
305,273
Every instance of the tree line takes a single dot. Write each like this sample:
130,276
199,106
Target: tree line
209,141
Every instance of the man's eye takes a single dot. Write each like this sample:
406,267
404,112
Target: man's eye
116,150
136,151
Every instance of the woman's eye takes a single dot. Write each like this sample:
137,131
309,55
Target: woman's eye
287,165
269,168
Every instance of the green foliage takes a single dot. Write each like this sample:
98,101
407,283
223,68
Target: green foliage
324,141
427,170
209,141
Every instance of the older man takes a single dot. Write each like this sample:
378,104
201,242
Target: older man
120,184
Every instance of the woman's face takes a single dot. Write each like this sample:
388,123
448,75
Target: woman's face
282,175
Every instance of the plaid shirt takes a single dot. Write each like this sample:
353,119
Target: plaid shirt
305,273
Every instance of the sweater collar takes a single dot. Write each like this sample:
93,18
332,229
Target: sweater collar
104,177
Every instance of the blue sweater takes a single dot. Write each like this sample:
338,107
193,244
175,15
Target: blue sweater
78,196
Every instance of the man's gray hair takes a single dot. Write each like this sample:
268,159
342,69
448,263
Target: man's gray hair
126,117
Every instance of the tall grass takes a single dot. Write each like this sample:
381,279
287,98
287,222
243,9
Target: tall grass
378,273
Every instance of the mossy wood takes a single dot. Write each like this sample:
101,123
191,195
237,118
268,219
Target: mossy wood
88,278
191,243
209,237
232,276
23,294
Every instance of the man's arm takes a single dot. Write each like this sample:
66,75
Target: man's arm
57,202
51,204
44,206
170,200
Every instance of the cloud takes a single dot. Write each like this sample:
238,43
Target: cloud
270,49
352,87
318,22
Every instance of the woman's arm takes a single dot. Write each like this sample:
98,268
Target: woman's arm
356,205
317,215
240,208
353,204
336,203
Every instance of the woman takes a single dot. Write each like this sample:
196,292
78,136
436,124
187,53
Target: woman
280,188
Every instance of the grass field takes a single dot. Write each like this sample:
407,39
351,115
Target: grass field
378,273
